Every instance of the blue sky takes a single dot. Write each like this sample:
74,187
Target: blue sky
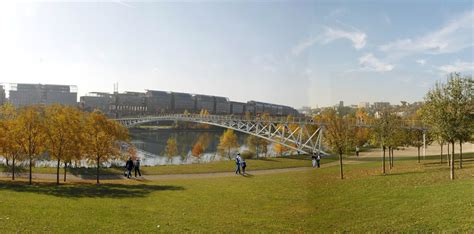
297,53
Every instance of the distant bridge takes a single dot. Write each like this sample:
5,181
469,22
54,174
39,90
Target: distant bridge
300,134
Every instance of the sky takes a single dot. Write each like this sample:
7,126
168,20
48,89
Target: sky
296,53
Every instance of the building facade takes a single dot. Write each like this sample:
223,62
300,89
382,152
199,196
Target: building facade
31,94
2,95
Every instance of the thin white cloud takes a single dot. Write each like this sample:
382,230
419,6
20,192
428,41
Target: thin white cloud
357,37
370,63
457,66
454,36
124,3
421,61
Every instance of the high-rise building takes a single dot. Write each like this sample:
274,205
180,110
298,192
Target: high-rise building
31,94
2,95
98,101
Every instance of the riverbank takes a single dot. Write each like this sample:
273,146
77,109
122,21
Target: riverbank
212,167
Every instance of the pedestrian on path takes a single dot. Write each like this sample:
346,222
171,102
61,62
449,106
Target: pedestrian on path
237,163
313,160
129,167
137,168
318,159
244,165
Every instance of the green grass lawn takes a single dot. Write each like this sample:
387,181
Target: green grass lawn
411,197
218,166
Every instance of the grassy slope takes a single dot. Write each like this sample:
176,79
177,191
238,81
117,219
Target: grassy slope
411,197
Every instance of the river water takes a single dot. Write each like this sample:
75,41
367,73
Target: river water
151,144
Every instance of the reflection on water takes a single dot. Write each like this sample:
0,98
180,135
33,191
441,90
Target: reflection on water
151,144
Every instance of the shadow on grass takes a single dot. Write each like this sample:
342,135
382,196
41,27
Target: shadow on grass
19,169
88,190
90,173
402,173
248,175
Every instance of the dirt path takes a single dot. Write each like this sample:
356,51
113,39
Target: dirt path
250,173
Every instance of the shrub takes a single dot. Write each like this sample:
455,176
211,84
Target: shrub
247,154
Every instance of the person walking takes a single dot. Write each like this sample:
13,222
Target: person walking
129,167
244,165
318,159
357,151
313,160
137,167
237,164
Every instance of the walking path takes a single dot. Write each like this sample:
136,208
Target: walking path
250,173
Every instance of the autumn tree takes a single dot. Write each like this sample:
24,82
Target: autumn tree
256,144
449,110
171,148
204,140
9,147
280,149
394,139
384,131
338,134
60,131
78,141
197,150
29,131
103,139
362,133
227,142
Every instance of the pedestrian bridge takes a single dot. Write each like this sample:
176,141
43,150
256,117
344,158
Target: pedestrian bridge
300,134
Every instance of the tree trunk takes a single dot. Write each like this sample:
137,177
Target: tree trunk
340,163
392,158
418,154
13,168
383,160
452,161
449,155
441,155
57,172
65,171
460,154
31,161
6,160
98,165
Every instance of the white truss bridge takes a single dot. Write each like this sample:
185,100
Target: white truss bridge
300,134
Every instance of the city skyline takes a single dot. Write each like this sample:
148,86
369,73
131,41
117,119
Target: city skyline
296,54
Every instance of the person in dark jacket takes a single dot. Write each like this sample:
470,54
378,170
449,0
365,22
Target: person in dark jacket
244,165
137,168
318,159
129,167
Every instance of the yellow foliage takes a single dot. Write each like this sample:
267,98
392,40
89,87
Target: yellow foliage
197,150
228,141
171,147
280,149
